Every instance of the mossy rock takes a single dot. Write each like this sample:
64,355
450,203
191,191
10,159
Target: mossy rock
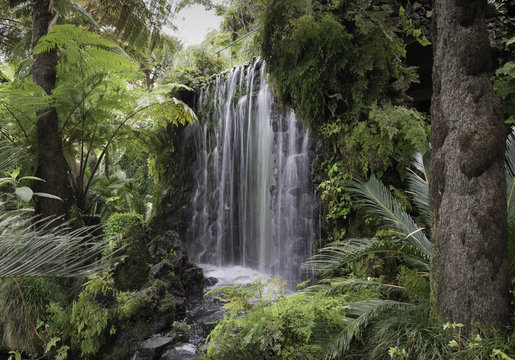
128,230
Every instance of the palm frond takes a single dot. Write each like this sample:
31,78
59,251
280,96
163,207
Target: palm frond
360,314
27,251
510,175
510,193
342,285
418,185
378,200
11,156
333,256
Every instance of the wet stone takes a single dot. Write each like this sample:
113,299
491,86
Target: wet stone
183,352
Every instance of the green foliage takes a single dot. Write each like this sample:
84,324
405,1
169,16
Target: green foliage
416,285
132,271
504,86
262,323
16,329
385,139
99,101
333,61
378,201
14,355
336,199
409,29
89,317
61,351
201,58
125,225
86,47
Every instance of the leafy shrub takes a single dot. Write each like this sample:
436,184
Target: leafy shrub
504,86
125,225
89,316
262,323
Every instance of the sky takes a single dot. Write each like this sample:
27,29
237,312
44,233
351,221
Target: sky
194,22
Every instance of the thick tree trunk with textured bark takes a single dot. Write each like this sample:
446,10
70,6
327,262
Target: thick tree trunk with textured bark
51,162
469,266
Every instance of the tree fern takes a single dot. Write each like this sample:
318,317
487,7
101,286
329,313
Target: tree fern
82,47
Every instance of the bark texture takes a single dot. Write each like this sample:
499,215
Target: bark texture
51,162
469,266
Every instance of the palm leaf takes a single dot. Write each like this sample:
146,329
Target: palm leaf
510,193
342,285
510,175
11,156
378,200
48,252
418,184
333,256
360,314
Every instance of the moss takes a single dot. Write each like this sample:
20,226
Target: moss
128,230
159,287
167,305
136,305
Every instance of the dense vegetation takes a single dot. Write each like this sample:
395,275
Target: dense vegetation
119,99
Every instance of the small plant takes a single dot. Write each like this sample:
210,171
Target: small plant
498,354
89,317
61,352
14,355
24,193
397,353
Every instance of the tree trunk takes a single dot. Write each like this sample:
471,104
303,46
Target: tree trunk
469,266
51,162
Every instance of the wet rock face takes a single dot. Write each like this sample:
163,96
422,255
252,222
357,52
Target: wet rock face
173,265
183,352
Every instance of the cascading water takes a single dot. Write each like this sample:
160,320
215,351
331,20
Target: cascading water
254,203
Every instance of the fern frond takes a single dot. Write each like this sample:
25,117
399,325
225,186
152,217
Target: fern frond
164,111
84,48
11,156
71,37
74,9
378,200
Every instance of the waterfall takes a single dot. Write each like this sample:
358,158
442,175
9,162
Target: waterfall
254,203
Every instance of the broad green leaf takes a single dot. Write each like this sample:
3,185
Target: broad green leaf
24,192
